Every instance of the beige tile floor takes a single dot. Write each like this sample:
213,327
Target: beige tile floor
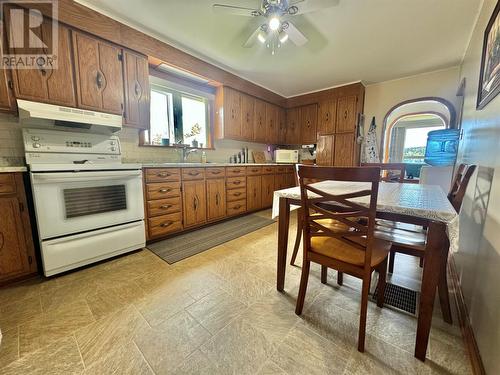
215,313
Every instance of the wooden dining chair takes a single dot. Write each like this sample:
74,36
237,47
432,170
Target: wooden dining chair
387,170
413,242
353,250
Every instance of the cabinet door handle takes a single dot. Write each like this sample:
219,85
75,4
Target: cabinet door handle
255,193
166,224
99,80
137,89
166,206
195,203
217,199
2,241
165,190
237,194
345,114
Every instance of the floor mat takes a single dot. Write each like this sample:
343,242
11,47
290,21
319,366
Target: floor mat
185,245
399,297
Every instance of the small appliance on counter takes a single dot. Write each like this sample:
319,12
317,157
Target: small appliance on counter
286,156
88,205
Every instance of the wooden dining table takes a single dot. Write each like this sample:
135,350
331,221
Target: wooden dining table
425,205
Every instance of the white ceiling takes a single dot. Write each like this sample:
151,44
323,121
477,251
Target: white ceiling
358,40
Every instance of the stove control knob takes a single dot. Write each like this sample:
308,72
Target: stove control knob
35,138
113,148
36,145
112,143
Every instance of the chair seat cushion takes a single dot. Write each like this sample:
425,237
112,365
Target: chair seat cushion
350,253
402,238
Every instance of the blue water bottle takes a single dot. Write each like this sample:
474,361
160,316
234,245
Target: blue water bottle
442,147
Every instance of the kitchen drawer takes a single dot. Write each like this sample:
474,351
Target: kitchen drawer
235,171
7,183
165,224
236,182
280,169
215,172
268,170
193,173
236,194
289,169
252,171
164,206
236,207
163,174
160,190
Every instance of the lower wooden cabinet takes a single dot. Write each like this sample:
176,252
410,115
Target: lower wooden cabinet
267,190
324,150
344,150
17,257
216,198
254,193
194,202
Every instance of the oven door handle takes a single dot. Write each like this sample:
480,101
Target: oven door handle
84,176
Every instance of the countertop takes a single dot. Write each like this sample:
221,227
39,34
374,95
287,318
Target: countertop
207,165
13,169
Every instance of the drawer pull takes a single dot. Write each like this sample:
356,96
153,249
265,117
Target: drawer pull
254,170
163,174
166,224
165,190
215,172
237,194
194,173
166,206
236,171
236,182
237,206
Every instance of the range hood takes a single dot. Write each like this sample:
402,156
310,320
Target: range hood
41,114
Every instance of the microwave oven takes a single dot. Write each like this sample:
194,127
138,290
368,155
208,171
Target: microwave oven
286,156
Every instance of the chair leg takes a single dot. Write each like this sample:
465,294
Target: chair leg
340,278
382,275
444,297
306,264
392,256
324,274
362,316
297,237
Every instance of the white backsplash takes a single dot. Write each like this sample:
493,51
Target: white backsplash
12,150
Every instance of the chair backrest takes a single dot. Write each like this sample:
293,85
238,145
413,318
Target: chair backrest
459,185
319,204
387,169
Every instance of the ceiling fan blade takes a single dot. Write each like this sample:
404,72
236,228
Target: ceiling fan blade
252,38
237,11
307,6
295,35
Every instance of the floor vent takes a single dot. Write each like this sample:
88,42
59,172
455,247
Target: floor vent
400,298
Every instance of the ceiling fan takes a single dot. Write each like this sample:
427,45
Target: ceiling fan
276,28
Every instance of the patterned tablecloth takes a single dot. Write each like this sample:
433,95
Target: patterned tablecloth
425,201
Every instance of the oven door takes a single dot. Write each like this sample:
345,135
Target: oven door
74,202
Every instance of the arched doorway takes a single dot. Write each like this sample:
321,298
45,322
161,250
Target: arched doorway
405,129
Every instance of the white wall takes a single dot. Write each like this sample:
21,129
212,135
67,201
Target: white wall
381,97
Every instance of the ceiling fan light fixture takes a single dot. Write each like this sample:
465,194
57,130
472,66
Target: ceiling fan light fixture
274,23
261,37
283,37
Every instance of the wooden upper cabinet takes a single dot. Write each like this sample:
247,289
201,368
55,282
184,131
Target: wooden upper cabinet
324,150
7,101
232,114
281,126
137,91
254,193
272,123
292,126
308,123
216,198
344,150
194,202
327,112
99,74
53,86
346,114
259,120
247,117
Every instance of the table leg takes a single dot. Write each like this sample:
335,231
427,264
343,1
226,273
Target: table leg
436,253
283,224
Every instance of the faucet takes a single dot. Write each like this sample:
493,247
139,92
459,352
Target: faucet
186,152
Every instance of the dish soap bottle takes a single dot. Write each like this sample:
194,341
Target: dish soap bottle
203,157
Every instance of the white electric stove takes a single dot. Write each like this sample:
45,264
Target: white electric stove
89,206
